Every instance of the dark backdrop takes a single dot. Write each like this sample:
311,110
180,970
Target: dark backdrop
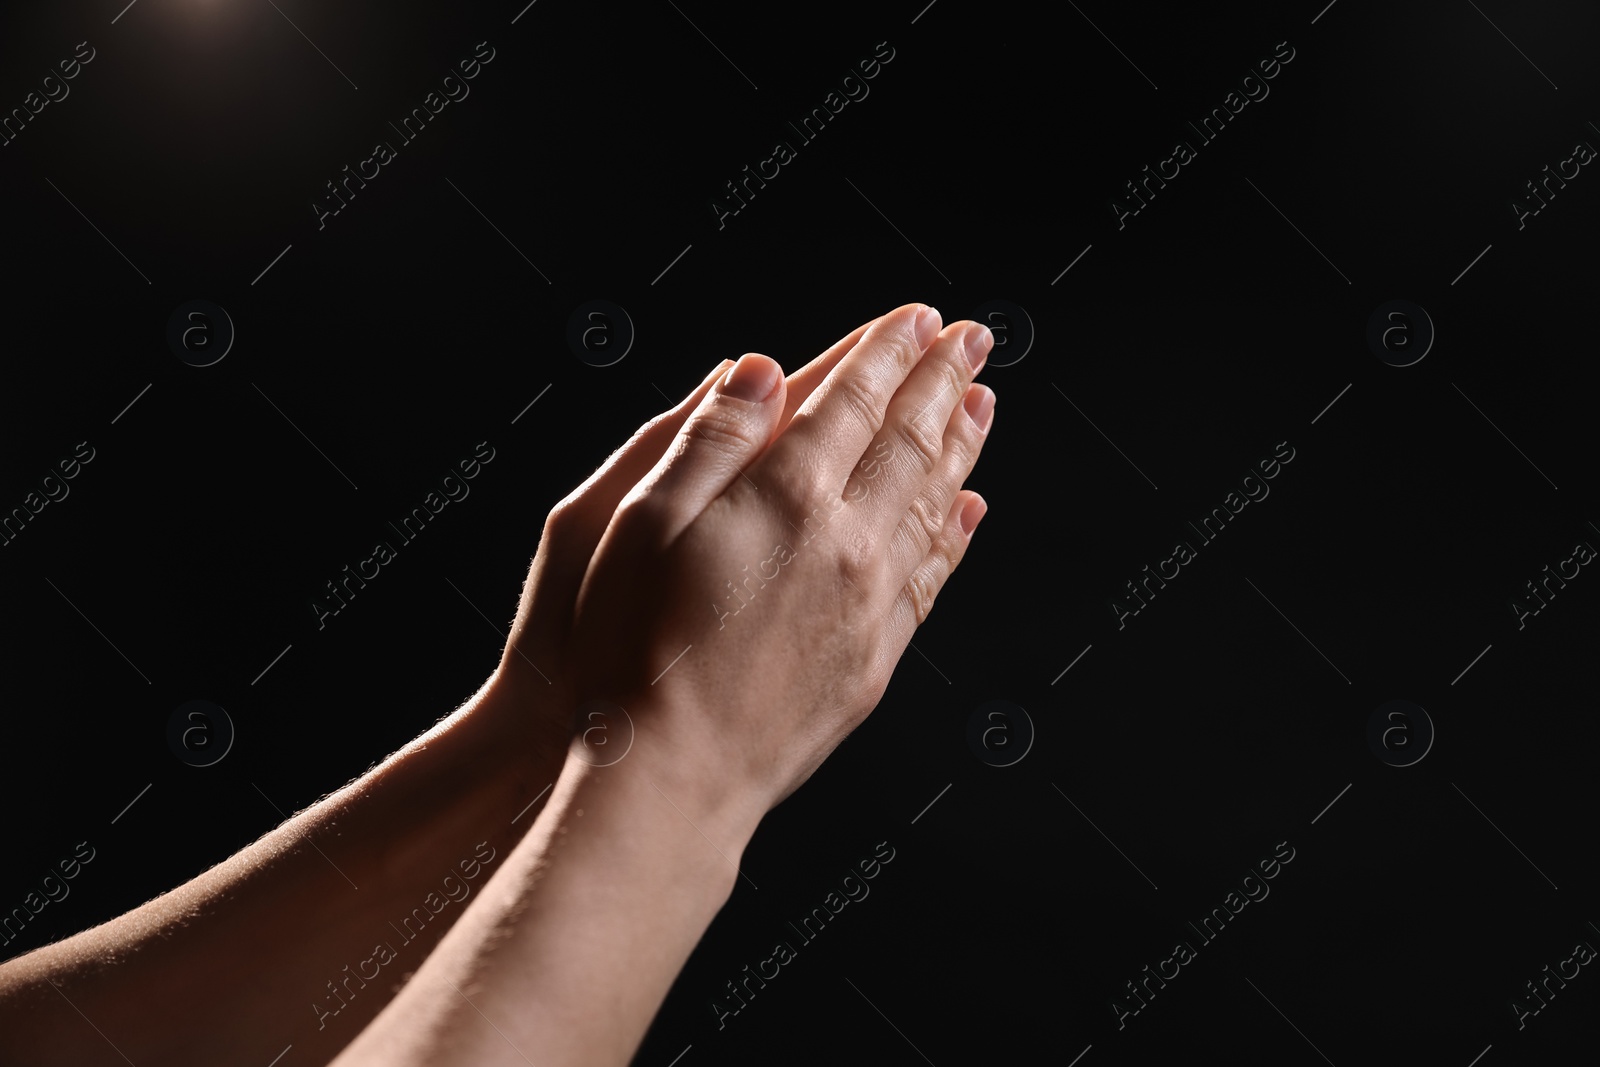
1154,757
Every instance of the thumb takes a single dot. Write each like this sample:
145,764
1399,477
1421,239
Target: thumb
574,528
728,431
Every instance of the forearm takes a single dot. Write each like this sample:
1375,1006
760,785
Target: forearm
269,948
566,955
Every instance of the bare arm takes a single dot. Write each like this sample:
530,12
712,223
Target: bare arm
302,937
568,952
851,520
268,948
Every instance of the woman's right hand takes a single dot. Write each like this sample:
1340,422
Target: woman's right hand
530,709
752,593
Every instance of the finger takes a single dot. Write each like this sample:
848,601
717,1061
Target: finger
597,498
835,425
805,380
918,526
726,433
910,448
576,524
916,598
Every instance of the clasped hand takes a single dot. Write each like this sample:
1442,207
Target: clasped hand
741,577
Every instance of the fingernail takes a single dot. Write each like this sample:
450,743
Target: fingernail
979,403
753,378
928,325
979,341
972,514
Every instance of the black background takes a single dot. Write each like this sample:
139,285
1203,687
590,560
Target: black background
1219,321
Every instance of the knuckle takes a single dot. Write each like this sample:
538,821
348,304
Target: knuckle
907,549
925,440
642,507
792,483
930,577
927,520
725,432
559,524
922,591
956,373
962,454
863,401
565,510
947,552
858,562
905,349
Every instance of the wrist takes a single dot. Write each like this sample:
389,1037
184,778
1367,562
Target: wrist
601,902
516,733
621,824
710,807
478,774
462,780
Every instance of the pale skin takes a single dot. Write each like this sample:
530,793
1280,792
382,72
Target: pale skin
574,932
